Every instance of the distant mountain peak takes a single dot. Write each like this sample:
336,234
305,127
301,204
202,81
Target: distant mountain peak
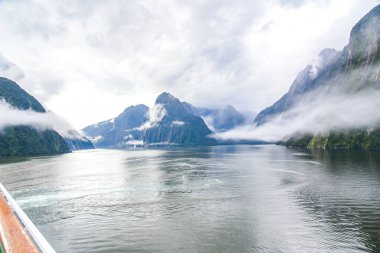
165,98
230,108
134,108
328,52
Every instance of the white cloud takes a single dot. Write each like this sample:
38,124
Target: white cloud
155,115
95,139
316,114
178,123
89,60
209,122
11,116
9,70
342,104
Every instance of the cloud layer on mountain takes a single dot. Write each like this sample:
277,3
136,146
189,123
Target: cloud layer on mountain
316,114
11,116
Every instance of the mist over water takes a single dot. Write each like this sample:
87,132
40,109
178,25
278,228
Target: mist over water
211,199
315,113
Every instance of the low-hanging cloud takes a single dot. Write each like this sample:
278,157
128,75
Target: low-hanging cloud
320,116
154,115
11,116
349,101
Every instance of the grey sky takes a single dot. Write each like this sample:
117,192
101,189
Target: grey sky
88,60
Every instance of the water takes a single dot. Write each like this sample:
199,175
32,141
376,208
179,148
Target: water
212,199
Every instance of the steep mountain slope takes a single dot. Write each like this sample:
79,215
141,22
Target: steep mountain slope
26,140
76,141
168,122
352,71
174,124
121,132
17,97
219,120
306,81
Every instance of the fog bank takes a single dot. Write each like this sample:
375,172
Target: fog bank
316,115
11,116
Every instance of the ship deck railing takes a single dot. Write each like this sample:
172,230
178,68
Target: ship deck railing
17,231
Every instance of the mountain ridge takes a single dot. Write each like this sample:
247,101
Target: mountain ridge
169,122
352,70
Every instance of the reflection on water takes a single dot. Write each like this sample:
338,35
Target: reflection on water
210,199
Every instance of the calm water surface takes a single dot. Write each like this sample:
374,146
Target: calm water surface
214,199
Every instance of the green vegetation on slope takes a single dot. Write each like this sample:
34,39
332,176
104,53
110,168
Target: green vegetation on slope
352,139
25,140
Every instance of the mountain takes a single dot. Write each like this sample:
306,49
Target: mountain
26,140
168,122
14,95
218,120
306,81
17,97
353,70
76,141
120,132
173,124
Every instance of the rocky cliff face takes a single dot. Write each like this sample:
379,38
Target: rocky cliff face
176,125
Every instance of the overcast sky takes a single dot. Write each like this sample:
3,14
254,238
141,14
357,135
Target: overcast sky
88,60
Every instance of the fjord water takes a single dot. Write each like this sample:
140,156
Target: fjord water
210,199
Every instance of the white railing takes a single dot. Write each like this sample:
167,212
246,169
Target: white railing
36,235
